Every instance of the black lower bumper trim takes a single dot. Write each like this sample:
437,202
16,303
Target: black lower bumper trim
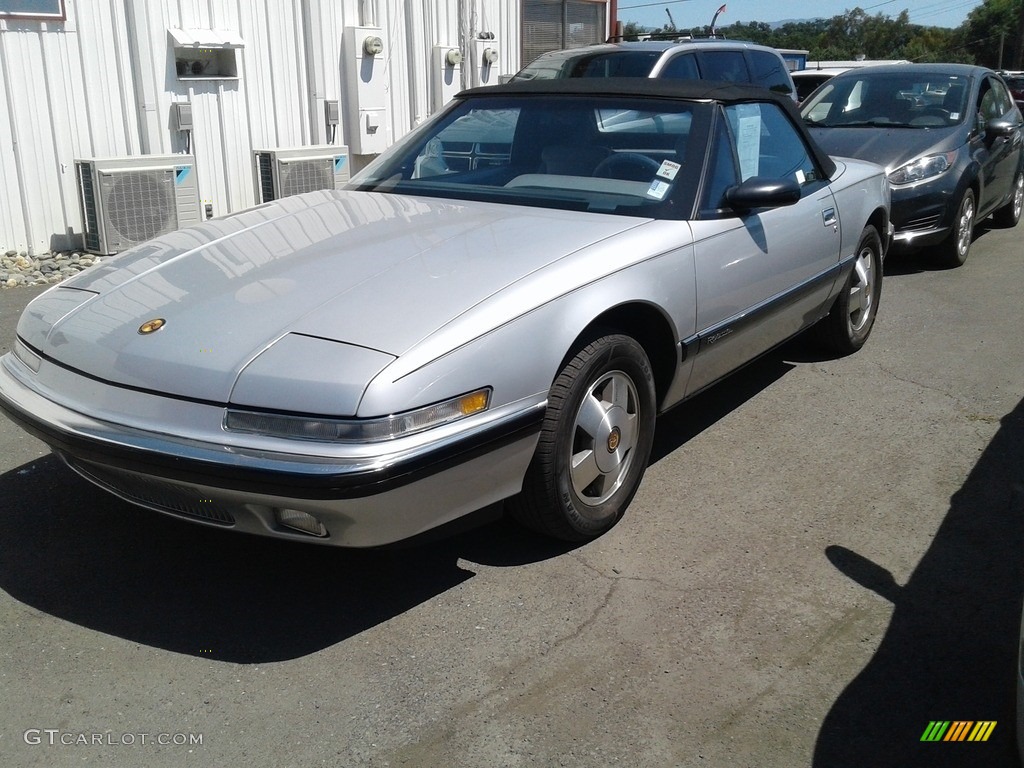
257,480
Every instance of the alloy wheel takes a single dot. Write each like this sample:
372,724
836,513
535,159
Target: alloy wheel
604,435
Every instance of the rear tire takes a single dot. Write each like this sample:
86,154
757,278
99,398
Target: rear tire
953,251
1008,216
595,442
848,324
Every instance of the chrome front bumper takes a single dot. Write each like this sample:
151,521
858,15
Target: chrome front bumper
173,456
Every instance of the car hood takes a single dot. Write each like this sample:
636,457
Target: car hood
888,147
375,273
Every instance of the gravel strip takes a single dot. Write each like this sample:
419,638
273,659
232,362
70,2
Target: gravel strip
42,269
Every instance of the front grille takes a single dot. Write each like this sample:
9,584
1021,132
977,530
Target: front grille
157,494
924,223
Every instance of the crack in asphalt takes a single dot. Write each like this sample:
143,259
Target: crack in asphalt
616,576
922,385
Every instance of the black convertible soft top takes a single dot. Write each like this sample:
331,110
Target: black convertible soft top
659,88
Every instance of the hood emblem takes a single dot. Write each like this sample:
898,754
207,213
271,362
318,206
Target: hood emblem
151,326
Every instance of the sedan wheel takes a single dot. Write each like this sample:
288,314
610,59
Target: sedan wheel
849,323
954,249
595,442
1009,214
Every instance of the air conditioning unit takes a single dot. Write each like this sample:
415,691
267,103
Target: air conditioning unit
284,172
128,200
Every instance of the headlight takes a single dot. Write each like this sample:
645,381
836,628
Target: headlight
358,430
922,169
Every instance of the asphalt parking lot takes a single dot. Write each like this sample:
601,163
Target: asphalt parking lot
824,557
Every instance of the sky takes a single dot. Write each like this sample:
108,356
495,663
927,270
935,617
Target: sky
697,13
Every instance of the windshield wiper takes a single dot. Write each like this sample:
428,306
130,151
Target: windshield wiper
870,124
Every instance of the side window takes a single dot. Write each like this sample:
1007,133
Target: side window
768,70
723,171
723,65
682,67
768,144
1003,101
989,105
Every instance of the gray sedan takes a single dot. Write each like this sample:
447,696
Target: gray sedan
495,310
949,137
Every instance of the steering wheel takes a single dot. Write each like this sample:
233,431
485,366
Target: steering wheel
627,166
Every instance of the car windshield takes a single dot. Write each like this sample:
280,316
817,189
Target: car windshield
599,64
618,155
890,100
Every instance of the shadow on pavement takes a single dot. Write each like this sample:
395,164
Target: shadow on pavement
686,421
950,651
80,554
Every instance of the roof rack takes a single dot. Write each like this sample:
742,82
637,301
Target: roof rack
675,37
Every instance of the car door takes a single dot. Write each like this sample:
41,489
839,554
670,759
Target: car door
761,274
998,155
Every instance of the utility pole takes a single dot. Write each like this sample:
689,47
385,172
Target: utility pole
1018,58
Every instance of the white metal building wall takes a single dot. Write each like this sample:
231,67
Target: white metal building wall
68,92
101,84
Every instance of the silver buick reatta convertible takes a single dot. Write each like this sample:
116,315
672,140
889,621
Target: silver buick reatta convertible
495,310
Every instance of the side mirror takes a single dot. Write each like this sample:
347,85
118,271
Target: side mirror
1000,127
763,192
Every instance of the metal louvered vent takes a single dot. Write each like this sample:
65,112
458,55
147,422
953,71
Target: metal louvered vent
265,172
549,25
298,176
87,193
140,205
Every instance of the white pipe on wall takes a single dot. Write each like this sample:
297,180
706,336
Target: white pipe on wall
367,13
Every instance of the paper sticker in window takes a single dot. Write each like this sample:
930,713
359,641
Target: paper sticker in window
658,189
668,170
748,138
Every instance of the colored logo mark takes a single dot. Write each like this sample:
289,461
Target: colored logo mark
958,730
151,326
181,173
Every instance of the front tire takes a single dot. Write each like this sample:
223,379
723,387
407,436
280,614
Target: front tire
595,442
954,249
848,325
1008,216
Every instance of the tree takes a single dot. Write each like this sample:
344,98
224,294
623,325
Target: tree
632,30
857,34
993,30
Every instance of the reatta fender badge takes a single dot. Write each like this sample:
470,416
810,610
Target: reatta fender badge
151,326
